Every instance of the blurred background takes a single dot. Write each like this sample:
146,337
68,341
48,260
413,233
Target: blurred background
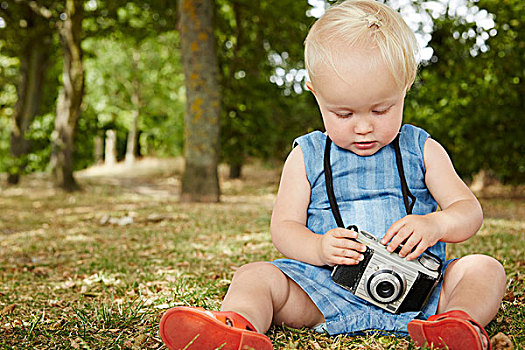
469,93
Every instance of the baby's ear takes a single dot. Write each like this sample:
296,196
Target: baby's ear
310,86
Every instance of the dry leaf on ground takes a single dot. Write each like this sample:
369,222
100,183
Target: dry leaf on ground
8,309
501,342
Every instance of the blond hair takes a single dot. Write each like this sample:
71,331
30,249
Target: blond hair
365,24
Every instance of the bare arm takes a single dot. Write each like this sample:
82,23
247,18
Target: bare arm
460,216
288,225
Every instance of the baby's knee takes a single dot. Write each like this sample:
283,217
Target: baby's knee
485,263
260,271
485,266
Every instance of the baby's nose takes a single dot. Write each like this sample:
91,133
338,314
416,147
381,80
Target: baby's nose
363,125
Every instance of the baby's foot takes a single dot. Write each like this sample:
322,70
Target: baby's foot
454,330
484,339
195,328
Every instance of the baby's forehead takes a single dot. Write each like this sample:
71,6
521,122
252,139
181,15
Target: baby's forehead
343,60
364,69
348,58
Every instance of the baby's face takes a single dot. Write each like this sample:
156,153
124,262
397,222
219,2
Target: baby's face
361,104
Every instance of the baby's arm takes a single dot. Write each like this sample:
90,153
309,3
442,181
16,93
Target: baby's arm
288,226
460,216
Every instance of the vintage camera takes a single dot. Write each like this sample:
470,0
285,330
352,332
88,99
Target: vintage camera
387,280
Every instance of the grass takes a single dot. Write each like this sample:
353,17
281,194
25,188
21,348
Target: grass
98,268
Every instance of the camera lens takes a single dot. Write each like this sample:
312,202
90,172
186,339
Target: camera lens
385,289
385,286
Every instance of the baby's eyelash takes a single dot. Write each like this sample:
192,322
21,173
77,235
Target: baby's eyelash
382,111
345,115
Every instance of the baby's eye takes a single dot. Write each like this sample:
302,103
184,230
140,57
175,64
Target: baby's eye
343,115
382,111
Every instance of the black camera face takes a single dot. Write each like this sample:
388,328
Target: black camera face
387,280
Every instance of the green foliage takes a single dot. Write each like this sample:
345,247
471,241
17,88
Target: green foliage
25,25
138,25
40,128
39,133
8,72
123,75
4,144
138,20
9,67
471,100
134,66
22,28
258,119
469,96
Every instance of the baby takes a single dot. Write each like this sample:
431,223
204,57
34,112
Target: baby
361,59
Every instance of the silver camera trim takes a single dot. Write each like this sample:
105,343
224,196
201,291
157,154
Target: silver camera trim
385,274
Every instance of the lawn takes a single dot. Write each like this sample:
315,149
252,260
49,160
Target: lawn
96,269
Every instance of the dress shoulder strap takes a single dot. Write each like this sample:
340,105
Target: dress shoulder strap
408,198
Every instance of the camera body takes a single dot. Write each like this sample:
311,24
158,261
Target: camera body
387,280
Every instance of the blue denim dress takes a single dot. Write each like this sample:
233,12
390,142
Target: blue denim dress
369,195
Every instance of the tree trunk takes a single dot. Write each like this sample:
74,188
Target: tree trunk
70,98
200,181
33,61
110,158
131,147
235,170
99,148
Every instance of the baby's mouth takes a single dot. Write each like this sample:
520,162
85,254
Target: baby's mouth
365,144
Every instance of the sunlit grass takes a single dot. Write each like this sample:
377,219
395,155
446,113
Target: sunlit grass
72,277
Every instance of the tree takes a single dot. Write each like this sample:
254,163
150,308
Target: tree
260,118
200,181
70,98
29,33
133,21
156,76
133,65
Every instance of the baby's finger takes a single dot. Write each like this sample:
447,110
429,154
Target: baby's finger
399,238
420,249
354,245
392,231
344,233
350,253
409,245
340,260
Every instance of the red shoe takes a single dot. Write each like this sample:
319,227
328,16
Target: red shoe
452,330
188,328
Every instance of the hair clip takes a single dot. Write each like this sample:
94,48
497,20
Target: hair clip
372,21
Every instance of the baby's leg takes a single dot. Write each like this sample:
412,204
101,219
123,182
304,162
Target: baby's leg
474,284
473,287
264,294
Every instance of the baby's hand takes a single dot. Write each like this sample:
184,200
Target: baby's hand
336,248
415,232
